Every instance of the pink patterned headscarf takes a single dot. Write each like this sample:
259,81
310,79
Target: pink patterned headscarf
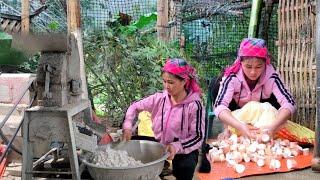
249,47
181,68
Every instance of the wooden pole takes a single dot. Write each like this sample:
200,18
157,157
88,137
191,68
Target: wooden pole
254,18
74,27
316,165
162,19
73,15
25,21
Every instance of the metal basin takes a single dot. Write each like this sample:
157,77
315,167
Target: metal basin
152,154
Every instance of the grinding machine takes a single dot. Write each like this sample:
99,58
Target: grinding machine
60,123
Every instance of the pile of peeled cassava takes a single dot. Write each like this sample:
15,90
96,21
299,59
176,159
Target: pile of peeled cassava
237,151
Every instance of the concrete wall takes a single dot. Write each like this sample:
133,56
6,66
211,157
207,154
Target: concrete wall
11,86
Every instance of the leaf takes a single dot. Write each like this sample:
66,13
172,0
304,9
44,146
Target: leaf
145,20
53,25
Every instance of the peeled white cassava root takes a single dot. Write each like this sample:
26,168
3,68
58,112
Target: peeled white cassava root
239,168
291,164
261,162
237,150
274,164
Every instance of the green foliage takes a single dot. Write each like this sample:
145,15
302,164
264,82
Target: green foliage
123,67
144,22
53,26
31,64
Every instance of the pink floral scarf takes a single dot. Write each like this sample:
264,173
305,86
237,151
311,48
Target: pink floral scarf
181,68
249,47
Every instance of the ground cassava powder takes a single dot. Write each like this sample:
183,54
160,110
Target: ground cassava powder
108,157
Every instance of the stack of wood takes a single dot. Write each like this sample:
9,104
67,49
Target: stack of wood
10,23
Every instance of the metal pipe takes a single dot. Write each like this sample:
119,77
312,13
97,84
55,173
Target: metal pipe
47,172
17,102
317,127
316,151
43,157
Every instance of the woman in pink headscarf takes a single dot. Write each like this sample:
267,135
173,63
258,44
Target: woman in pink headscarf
252,78
177,116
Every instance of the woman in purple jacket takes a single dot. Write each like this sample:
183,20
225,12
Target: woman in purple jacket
177,116
252,78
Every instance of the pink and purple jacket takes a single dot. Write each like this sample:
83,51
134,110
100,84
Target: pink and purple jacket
234,86
181,125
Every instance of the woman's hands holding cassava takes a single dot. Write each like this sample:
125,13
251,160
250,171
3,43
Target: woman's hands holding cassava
245,130
282,117
170,148
270,130
248,130
225,134
227,118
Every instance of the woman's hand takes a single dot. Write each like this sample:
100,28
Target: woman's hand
105,139
268,130
227,118
282,117
127,134
248,131
225,134
253,130
170,148
95,118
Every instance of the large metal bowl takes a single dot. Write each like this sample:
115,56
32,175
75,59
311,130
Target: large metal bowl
152,154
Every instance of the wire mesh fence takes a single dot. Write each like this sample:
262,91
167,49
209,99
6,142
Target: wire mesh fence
273,32
97,14
211,40
51,19
214,41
